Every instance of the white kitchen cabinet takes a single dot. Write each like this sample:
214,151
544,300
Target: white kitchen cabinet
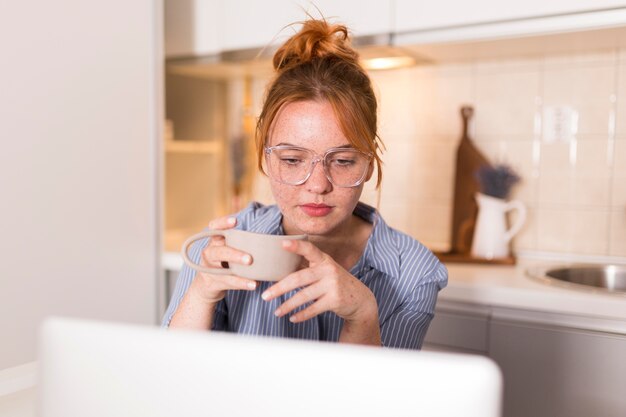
557,371
191,27
208,27
458,327
553,364
251,24
411,15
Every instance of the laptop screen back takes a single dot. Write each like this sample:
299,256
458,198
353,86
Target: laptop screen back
101,369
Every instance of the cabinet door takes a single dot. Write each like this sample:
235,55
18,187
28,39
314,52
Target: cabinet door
458,327
413,15
191,27
552,371
253,24
81,120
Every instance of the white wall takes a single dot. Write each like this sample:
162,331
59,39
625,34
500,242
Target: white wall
80,110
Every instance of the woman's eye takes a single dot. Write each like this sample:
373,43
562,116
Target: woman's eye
290,161
344,162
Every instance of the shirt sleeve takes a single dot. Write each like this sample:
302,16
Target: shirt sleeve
185,277
406,327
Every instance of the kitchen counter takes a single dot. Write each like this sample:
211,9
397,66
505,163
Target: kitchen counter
508,287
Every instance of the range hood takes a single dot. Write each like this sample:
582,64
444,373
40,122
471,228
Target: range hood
376,52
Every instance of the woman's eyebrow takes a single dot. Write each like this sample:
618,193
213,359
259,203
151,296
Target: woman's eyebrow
345,146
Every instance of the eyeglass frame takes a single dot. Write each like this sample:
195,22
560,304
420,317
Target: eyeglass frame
317,158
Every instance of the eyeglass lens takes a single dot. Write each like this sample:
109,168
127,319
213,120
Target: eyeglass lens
345,168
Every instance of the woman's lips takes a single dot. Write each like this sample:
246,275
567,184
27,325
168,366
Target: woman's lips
316,210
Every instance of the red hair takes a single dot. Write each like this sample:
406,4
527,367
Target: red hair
318,63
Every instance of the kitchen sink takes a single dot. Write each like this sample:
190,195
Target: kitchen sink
606,278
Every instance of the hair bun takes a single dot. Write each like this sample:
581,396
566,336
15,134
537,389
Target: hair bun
316,39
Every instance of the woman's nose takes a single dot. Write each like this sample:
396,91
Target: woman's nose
317,182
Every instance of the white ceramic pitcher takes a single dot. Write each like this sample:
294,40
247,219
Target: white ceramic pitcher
491,237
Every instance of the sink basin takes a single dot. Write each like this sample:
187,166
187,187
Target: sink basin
609,278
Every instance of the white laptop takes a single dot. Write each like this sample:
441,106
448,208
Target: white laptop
100,369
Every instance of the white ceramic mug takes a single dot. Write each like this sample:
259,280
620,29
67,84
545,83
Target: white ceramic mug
270,262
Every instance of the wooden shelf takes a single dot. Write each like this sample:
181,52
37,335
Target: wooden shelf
212,147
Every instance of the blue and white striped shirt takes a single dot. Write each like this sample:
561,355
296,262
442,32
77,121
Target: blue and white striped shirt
404,276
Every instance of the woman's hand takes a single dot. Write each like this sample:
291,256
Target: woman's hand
197,308
211,288
329,286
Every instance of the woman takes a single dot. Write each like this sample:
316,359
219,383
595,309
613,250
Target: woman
365,282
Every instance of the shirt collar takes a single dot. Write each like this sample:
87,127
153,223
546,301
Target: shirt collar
381,252
270,223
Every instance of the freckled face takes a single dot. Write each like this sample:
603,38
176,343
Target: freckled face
316,207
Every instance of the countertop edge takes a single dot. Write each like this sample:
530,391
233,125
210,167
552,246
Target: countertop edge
510,293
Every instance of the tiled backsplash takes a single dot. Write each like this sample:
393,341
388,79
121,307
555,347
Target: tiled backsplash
575,191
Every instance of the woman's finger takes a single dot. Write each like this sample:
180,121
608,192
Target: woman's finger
297,279
223,223
305,295
233,282
307,249
318,307
219,283
215,255
217,240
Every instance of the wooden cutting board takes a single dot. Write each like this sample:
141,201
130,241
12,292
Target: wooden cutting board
465,208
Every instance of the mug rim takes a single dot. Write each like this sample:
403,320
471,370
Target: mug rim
299,237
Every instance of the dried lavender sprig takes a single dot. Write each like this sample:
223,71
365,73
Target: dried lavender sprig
496,181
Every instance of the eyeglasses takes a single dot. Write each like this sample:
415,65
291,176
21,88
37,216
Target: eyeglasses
291,165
